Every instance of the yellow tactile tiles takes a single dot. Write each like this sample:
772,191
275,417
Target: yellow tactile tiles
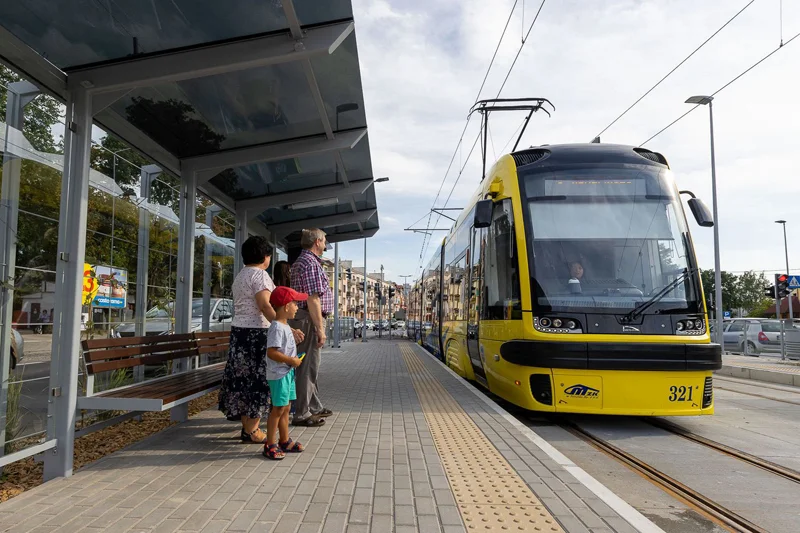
490,494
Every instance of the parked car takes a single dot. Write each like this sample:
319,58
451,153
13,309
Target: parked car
158,320
17,349
763,335
399,324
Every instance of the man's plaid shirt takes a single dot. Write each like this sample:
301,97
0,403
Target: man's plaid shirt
309,277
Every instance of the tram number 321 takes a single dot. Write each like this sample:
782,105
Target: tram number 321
680,394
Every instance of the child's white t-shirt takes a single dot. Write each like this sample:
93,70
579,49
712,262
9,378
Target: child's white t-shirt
280,337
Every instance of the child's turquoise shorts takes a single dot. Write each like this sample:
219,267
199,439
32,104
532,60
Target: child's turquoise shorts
282,390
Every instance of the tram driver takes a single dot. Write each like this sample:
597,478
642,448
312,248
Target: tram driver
575,276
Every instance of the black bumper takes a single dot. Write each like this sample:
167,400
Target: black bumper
612,355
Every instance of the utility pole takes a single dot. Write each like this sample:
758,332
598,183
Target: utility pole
380,306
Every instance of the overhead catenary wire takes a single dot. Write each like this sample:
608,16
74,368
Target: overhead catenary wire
426,241
461,137
676,67
751,67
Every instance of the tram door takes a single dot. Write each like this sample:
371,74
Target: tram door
475,265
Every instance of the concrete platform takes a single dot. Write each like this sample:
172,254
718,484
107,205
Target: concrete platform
411,447
764,368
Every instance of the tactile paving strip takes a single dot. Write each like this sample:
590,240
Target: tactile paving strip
490,494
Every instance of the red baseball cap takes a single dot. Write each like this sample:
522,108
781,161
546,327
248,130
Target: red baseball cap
283,295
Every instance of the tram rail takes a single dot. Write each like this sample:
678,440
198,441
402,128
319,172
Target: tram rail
711,508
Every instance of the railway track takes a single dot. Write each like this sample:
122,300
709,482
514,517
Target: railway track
726,517
769,466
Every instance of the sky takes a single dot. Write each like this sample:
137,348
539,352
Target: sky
422,63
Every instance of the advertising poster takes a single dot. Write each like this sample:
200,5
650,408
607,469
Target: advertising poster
112,287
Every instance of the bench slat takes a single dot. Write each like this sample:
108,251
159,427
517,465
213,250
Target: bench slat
161,386
131,362
208,342
213,349
144,349
212,334
94,344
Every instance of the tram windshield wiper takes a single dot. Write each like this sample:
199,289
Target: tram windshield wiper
657,297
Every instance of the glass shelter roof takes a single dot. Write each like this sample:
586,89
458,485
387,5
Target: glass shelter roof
261,98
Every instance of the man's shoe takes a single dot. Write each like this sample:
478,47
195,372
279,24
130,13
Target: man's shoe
324,413
310,422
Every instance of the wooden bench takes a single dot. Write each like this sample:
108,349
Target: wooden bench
158,394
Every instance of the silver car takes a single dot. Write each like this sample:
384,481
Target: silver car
17,349
158,320
763,336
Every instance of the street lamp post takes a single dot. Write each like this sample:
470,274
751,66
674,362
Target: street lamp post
706,100
786,252
366,298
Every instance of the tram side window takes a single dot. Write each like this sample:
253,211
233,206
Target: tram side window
502,267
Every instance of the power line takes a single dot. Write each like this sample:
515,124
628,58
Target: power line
651,89
754,65
513,63
426,241
461,137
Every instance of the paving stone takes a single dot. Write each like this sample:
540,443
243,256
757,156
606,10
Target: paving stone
372,467
404,515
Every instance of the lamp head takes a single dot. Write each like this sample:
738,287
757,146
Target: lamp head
700,100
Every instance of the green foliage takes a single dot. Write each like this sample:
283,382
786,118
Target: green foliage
40,116
745,291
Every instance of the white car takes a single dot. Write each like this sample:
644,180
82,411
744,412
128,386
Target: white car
158,321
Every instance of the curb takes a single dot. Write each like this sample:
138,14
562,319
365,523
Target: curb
756,374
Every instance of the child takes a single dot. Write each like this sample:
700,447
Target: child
281,362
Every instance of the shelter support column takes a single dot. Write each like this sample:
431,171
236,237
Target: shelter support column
19,95
183,296
146,176
240,236
66,351
208,275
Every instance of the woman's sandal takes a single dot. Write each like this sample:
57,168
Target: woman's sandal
291,446
247,438
272,451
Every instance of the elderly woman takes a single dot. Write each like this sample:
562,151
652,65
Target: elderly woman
245,394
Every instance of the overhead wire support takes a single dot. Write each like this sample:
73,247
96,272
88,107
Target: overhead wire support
651,89
485,107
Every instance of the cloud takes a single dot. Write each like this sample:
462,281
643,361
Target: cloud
423,60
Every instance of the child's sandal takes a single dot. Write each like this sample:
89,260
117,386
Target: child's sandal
272,451
291,447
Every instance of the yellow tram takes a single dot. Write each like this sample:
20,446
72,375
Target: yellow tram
569,284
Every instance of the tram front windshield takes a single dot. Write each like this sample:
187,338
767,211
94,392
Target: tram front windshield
604,239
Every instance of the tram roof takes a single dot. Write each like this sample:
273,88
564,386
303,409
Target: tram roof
262,99
578,153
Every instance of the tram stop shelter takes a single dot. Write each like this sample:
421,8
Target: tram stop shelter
256,105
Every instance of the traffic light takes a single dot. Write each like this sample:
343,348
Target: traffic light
782,285
349,274
378,295
769,292
391,292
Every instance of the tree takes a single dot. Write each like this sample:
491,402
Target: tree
745,292
730,289
40,116
751,291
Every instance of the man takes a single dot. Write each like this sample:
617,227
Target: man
309,277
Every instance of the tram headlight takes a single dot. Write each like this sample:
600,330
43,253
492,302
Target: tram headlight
557,323
679,326
545,322
698,324
571,324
